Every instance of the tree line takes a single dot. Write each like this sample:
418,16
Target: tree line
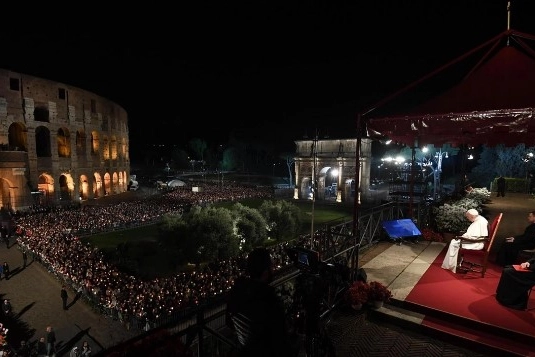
205,234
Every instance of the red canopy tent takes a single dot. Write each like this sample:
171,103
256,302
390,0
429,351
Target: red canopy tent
493,104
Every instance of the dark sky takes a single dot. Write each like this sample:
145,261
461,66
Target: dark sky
257,69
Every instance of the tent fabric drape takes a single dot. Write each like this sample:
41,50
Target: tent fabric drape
494,103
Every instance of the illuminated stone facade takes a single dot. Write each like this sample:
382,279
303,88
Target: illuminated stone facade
58,143
333,164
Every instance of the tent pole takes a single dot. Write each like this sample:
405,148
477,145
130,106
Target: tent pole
413,173
357,203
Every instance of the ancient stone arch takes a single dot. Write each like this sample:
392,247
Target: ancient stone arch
107,183
6,198
115,183
84,187
80,144
113,147
95,145
42,142
46,188
17,137
330,167
66,187
97,185
63,139
121,182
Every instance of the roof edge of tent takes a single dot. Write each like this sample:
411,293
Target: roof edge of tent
385,100
491,127
476,113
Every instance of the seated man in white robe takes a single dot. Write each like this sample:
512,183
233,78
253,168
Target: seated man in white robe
476,230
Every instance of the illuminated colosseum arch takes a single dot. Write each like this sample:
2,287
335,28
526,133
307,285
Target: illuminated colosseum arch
42,142
123,148
18,137
80,143
84,187
115,183
45,186
113,147
107,183
64,142
66,187
121,182
6,196
105,148
97,185
41,113
95,144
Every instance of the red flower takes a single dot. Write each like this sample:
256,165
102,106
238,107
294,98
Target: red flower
357,293
378,292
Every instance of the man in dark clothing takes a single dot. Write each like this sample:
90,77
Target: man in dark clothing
50,341
512,290
508,252
253,303
5,268
6,307
64,297
501,186
24,258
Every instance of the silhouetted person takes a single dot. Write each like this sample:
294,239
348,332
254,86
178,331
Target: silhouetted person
40,348
24,350
508,252
512,290
5,268
64,297
253,303
501,186
50,341
24,258
6,307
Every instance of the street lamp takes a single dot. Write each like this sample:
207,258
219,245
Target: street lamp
527,159
436,173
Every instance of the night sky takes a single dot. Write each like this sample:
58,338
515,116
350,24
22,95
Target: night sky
258,69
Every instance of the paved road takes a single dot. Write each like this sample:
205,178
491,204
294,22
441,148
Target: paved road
35,296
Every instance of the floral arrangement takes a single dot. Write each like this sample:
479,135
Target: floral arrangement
431,236
451,218
480,194
358,293
378,292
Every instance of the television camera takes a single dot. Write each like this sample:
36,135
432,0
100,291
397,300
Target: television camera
319,288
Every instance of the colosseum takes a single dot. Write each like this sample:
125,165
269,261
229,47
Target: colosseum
58,143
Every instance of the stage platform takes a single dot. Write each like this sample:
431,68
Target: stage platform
455,308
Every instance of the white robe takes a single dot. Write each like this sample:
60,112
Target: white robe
478,229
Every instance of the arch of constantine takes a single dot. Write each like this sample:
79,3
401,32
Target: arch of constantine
331,164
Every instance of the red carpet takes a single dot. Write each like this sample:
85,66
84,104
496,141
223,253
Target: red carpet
468,300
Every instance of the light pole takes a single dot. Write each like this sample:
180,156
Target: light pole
436,173
527,160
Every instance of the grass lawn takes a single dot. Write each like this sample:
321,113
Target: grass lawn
136,251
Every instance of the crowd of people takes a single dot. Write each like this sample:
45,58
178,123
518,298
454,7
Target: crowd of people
52,236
